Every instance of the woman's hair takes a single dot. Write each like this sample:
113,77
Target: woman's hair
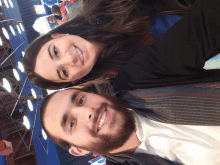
117,24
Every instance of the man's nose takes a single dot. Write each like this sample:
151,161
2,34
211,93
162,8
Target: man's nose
91,114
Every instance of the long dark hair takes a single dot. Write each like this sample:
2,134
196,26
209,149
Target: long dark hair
116,24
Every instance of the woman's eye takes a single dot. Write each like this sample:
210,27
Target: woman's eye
71,124
81,100
65,72
55,52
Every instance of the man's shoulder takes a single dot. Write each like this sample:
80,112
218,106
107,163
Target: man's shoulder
137,159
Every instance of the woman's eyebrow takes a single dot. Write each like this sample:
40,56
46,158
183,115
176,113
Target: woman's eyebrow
50,52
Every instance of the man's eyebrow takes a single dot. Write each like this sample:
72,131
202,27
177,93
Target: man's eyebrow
65,116
64,120
49,52
73,97
59,75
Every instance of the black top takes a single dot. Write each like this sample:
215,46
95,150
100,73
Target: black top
178,57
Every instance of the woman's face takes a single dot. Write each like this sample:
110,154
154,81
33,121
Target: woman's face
66,58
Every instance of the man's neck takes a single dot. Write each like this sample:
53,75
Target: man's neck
130,145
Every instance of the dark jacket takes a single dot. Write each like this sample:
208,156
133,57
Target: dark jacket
178,57
137,159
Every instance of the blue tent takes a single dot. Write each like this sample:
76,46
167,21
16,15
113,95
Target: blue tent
50,3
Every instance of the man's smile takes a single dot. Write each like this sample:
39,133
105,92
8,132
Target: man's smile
103,119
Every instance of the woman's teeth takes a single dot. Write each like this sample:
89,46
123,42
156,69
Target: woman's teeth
80,55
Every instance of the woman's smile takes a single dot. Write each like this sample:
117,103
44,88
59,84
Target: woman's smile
80,54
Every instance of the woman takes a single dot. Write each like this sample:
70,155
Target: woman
96,43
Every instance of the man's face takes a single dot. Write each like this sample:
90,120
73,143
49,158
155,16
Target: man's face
89,122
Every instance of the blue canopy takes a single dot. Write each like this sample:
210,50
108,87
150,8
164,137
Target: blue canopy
50,3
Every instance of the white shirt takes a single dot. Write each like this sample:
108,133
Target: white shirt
212,63
190,145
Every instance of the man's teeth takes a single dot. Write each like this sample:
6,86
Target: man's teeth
101,122
80,55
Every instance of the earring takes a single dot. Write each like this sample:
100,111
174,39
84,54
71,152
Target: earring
67,34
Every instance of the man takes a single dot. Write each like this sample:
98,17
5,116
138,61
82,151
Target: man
61,10
85,122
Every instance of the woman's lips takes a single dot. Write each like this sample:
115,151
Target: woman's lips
80,54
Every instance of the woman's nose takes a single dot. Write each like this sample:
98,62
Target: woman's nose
69,57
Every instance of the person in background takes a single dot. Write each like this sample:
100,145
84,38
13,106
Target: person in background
52,19
61,10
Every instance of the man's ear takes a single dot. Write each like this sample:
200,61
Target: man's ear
77,151
57,35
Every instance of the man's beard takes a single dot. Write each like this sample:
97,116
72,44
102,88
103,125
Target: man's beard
107,143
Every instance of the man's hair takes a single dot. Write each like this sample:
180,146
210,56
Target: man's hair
117,25
55,9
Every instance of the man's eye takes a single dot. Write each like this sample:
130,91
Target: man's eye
81,100
55,52
65,72
72,124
